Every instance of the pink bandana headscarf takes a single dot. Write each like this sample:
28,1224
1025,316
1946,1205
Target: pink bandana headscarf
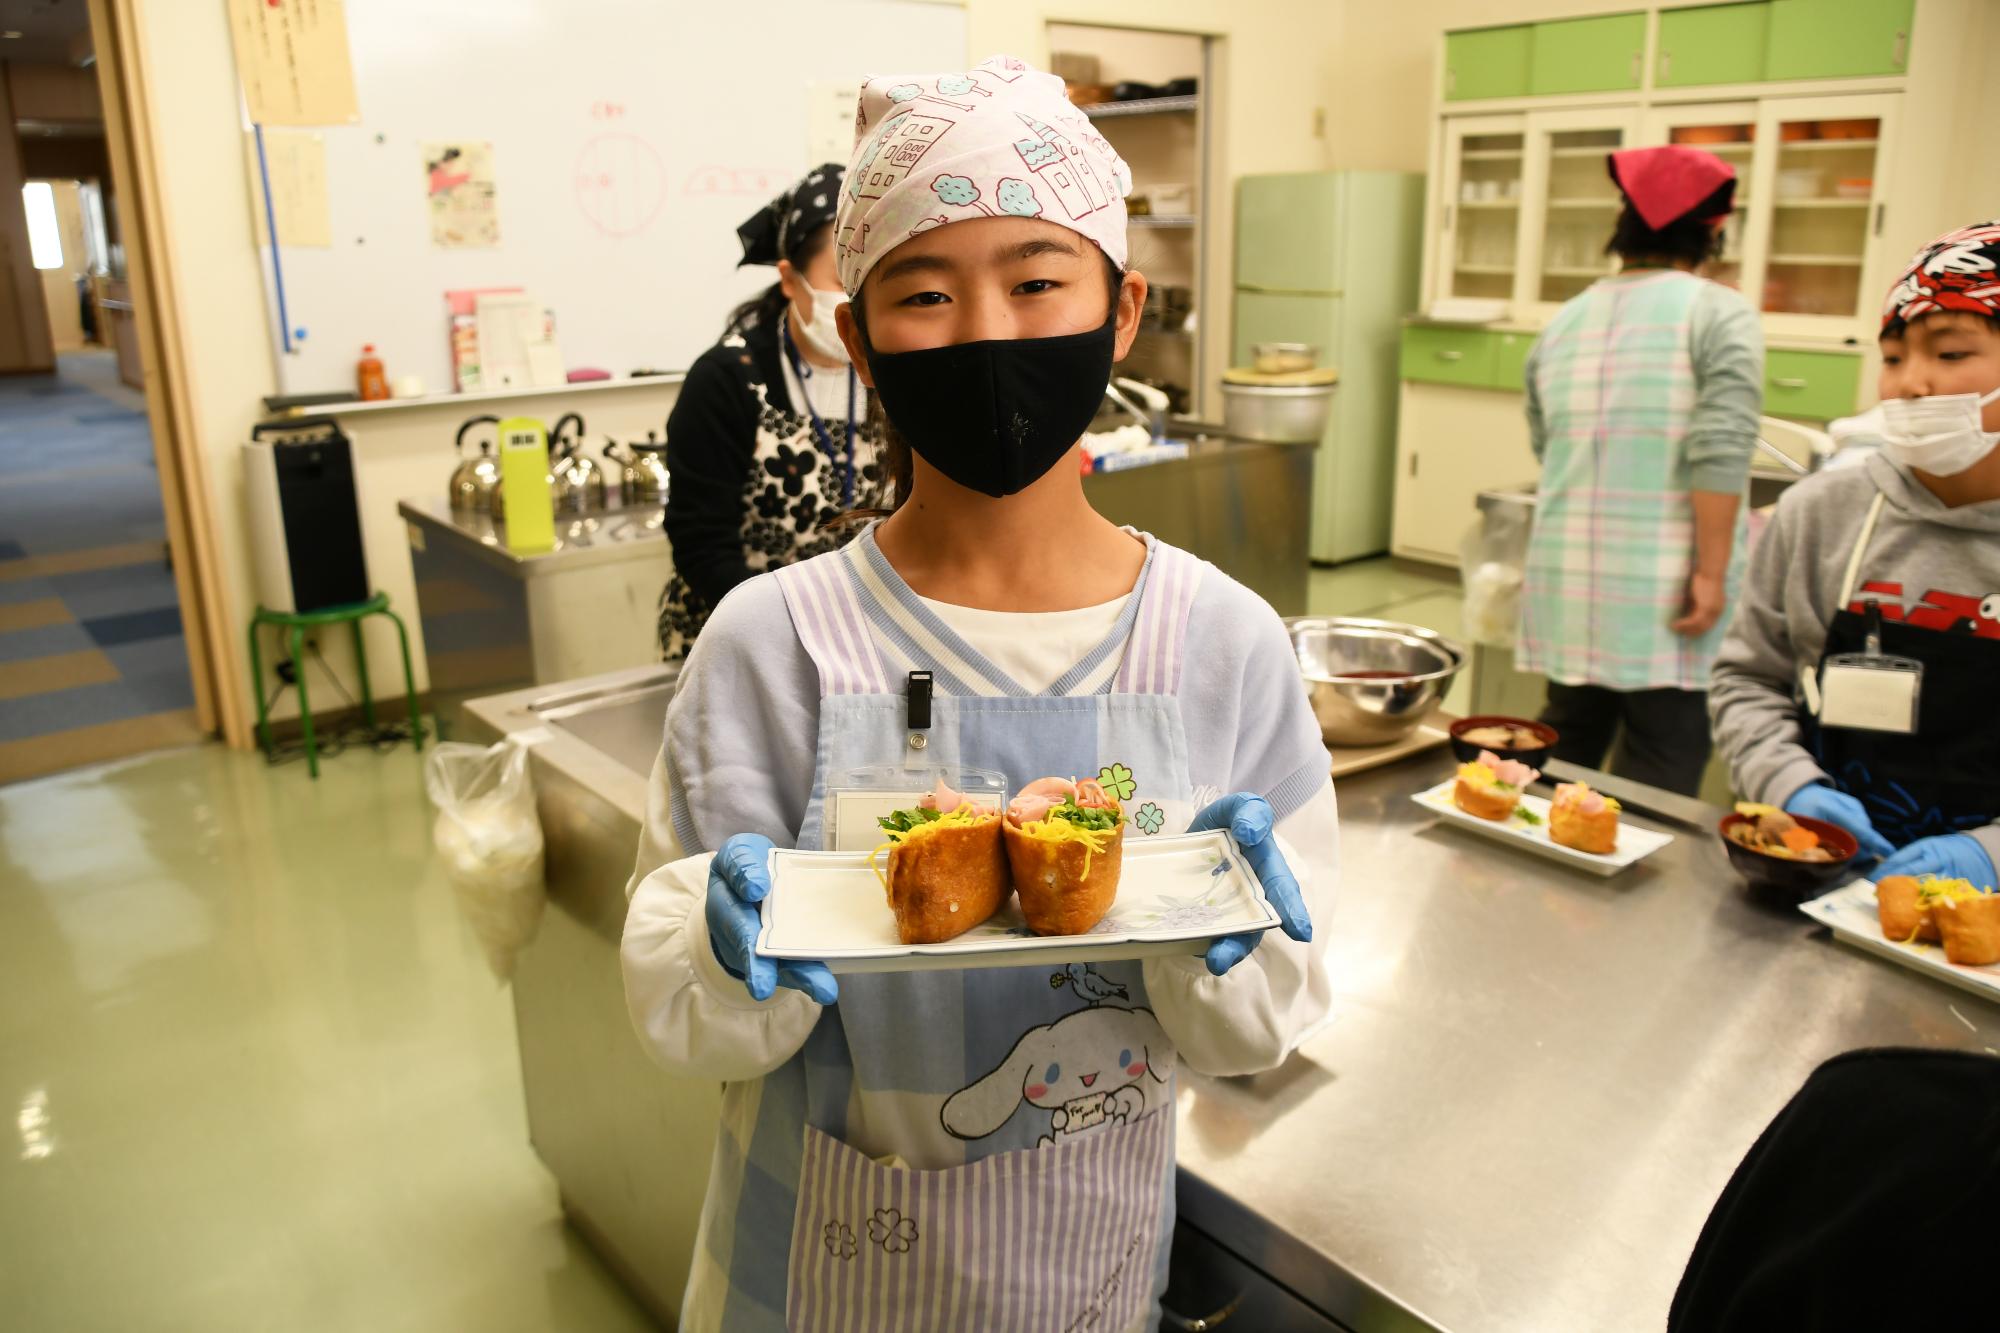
1001,140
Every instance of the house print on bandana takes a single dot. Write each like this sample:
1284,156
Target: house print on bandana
904,140
1058,163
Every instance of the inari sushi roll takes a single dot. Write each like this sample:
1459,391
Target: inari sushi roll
1490,787
947,871
1967,918
1583,819
1065,844
1905,917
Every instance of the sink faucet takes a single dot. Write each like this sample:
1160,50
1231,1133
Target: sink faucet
1153,418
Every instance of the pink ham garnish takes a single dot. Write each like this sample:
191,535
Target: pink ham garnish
1580,798
1510,771
946,798
1035,800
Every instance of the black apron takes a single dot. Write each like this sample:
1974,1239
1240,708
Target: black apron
1945,777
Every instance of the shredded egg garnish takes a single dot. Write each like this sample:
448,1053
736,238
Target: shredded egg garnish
965,816
1059,831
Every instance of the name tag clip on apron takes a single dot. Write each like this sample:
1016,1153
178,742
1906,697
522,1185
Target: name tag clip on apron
858,797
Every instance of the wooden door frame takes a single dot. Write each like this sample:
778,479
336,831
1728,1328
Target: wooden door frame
184,484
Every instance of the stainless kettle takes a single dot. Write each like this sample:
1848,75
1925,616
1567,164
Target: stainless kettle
642,470
576,480
475,482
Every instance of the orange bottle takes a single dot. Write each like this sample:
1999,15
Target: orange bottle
369,377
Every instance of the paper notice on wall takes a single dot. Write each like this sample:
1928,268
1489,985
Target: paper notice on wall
465,213
830,119
295,165
517,342
293,60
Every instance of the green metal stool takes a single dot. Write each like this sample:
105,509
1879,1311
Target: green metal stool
298,622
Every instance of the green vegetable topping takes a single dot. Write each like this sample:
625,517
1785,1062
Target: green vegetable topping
902,821
1526,816
1095,819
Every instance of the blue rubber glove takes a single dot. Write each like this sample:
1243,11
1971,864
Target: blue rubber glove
737,882
1249,820
1816,800
1951,856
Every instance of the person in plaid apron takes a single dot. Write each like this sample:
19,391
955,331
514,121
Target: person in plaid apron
1642,398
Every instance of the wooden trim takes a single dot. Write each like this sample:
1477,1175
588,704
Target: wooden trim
213,651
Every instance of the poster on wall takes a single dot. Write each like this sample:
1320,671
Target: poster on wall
459,181
294,173
293,60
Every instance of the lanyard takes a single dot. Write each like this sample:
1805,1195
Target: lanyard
819,427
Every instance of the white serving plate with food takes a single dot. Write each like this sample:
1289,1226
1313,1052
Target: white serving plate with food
1634,843
1175,895
1850,913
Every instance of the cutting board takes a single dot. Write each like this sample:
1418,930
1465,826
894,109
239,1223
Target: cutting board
1430,734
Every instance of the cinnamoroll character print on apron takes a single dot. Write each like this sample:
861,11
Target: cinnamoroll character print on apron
1104,1064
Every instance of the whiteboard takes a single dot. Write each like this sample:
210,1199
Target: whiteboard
630,138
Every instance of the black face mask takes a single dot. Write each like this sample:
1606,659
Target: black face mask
995,416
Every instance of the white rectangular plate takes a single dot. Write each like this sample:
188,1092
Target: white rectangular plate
1634,843
1175,894
1850,913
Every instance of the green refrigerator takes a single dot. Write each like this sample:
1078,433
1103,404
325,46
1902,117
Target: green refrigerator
1332,258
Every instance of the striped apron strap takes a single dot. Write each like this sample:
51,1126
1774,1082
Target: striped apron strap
1157,648
826,611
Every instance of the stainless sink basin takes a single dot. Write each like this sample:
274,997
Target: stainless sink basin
624,721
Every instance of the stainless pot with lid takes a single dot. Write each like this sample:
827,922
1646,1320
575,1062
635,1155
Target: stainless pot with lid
475,482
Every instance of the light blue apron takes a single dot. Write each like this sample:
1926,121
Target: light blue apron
1060,1085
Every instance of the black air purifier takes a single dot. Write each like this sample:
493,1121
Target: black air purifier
305,525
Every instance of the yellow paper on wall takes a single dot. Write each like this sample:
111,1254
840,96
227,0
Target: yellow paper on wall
293,59
524,480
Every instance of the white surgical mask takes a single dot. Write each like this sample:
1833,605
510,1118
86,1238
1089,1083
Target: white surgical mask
819,333
1941,435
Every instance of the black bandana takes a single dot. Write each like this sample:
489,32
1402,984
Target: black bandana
776,230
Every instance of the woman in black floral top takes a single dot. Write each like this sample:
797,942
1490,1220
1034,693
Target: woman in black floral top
771,437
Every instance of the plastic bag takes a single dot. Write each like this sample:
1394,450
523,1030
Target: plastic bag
1492,558
489,837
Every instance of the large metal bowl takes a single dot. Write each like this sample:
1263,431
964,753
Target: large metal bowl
1276,414
1371,682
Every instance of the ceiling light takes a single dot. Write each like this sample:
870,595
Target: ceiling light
10,36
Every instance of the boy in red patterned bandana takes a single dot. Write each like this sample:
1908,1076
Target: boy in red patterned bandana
1855,686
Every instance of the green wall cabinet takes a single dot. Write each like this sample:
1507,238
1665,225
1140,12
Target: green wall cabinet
1510,360
1449,355
1486,62
1587,55
1817,386
1713,44
1834,39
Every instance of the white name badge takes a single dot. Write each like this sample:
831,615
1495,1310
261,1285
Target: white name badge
851,817
1870,692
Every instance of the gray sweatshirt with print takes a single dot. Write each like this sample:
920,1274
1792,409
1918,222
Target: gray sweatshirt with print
1947,558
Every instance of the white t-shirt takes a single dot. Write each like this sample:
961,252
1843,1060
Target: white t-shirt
1034,647
825,387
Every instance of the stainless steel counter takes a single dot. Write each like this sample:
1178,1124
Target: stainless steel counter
604,536
494,620
1535,1082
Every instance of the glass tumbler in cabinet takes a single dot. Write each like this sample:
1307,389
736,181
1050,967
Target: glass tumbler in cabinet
1582,210
1822,190
1488,207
